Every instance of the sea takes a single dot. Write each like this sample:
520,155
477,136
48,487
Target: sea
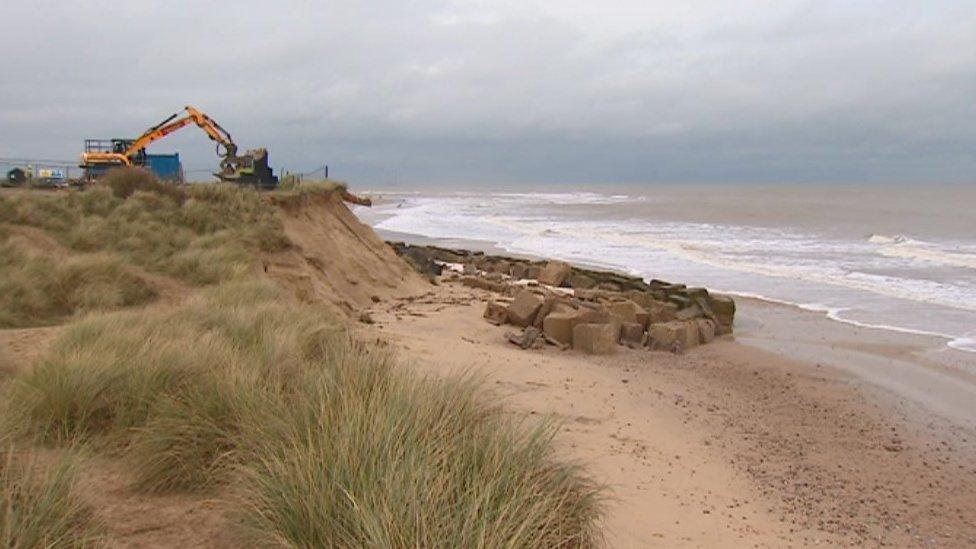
893,257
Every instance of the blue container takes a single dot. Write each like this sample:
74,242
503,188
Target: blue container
165,166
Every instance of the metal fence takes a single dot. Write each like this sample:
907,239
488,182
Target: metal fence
40,169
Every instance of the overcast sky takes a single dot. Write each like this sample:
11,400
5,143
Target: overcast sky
512,90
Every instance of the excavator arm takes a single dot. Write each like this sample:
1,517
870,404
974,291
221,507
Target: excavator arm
193,116
213,130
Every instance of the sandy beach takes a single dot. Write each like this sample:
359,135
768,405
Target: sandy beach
477,274
797,431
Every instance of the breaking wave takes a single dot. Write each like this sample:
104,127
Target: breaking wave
908,248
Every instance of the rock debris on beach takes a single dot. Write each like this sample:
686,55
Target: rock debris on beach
587,310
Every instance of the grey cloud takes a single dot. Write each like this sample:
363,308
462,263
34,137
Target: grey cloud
531,91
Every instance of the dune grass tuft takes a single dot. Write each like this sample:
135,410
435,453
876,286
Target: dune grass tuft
322,439
40,288
293,194
201,234
124,182
105,375
369,457
39,506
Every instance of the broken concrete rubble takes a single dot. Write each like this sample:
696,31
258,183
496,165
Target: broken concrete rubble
555,298
523,309
530,338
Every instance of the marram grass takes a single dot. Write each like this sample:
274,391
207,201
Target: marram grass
322,440
39,506
313,437
201,234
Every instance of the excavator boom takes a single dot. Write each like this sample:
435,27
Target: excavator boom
193,116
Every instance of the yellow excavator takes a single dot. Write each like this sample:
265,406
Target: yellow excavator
251,168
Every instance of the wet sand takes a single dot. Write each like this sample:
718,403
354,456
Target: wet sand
916,370
787,435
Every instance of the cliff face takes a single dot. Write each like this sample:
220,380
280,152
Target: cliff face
337,259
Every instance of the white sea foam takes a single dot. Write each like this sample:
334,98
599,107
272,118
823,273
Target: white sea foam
751,254
565,198
836,314
885,239
964,344
908,248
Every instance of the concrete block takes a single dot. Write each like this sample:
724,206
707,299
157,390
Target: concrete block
550,304
581,282
520,271
496,313
555,273
675,335
559,327
632,334
524,307
689,313
724,308
706,329
624,311
595,339
661,311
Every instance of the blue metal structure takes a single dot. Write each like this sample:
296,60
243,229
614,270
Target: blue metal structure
165,166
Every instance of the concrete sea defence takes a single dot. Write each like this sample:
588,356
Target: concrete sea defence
588,310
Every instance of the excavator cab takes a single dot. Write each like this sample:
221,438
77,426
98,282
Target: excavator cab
251,169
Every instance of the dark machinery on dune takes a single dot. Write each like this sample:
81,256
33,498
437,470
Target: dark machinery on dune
250,168
16,177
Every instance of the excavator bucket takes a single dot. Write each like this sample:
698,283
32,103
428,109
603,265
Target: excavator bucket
252,169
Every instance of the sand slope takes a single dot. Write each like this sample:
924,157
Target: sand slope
337,259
